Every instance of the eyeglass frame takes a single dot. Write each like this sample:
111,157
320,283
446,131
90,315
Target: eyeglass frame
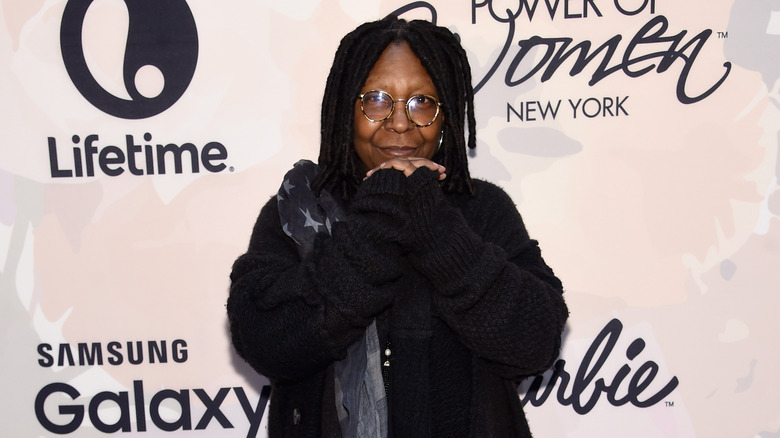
406,107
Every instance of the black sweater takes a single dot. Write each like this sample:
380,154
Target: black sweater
454,282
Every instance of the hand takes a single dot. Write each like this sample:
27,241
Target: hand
409,165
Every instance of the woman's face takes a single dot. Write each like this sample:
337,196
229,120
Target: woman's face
399,73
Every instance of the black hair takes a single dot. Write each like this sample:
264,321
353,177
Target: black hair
443,58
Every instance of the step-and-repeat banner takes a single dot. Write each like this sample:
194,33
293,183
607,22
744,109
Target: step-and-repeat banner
639,139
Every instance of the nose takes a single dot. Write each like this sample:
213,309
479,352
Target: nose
399,120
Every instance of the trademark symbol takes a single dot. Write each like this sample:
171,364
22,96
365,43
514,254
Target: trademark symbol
670,404
723,34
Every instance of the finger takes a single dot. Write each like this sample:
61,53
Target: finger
420,162
409,165
402,165
405,166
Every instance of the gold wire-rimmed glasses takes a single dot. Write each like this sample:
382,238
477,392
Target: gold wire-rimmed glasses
378,106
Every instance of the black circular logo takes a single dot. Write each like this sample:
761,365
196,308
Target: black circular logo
161,34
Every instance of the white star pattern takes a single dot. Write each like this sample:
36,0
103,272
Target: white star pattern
303,217
288,186
310,222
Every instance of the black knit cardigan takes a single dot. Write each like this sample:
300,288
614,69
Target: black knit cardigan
459,291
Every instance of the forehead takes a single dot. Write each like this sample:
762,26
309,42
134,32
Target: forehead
398,66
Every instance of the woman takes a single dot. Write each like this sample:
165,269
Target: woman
385,292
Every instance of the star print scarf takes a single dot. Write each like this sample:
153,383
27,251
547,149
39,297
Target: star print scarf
360,394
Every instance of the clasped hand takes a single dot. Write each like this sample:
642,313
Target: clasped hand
409,165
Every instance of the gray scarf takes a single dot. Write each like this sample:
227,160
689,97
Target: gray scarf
360,393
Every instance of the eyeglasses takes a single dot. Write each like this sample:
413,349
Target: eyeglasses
378,106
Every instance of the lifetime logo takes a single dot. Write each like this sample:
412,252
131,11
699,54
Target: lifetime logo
161,34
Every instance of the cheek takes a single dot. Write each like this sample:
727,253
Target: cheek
431,136
363,132
360,129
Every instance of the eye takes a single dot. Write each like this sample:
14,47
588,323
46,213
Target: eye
376,98
422,102
377,105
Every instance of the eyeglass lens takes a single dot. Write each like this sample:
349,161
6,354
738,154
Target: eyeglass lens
421,109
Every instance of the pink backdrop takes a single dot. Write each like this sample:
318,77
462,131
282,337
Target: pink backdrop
647,172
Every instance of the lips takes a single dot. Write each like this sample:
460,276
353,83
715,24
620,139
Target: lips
399,151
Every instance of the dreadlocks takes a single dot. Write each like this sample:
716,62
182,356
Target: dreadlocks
445,61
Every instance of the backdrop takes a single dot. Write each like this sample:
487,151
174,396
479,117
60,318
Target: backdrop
638,138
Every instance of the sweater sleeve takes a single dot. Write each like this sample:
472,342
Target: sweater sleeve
491,285
291,317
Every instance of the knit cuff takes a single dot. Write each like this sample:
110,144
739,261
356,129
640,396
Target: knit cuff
383,181
423,183
425,204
